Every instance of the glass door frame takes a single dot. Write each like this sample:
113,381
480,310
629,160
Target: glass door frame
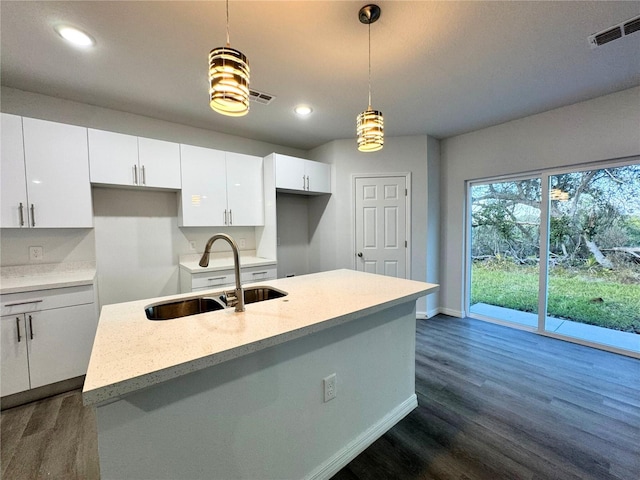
543,280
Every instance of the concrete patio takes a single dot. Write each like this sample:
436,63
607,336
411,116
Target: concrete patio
591,333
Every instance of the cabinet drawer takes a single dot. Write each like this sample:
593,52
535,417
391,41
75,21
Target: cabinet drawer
46,299
258,274
212,280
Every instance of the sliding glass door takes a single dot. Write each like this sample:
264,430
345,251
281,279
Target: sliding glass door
505,250
593,290
586,225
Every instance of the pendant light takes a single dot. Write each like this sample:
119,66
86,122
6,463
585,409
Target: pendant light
370,124
228,79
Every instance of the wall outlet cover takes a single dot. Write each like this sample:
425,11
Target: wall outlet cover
329,384
36,254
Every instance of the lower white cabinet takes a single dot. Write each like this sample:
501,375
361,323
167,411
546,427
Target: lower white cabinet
47,337
195,282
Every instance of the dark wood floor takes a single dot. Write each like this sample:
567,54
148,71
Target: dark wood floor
494,403
499,403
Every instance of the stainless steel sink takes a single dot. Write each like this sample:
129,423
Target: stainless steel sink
260,294
183,308
210,303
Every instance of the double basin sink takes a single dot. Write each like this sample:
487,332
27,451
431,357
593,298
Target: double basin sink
208,303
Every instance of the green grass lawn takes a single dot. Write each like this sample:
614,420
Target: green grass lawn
574,296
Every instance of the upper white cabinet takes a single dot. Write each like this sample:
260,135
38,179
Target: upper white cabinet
220,188
297,175
13,204
119,159
50,187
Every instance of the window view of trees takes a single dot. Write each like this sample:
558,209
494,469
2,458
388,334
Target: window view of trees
594,245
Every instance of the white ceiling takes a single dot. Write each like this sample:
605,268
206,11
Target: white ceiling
438,68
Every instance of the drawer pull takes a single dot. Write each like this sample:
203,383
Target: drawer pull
260,273
18,328
215,278
31,327
33,215
21,208
21,303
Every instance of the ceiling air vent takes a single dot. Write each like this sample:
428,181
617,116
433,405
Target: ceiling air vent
261,97
613,33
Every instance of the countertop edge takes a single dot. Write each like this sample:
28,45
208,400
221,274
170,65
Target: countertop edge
107,394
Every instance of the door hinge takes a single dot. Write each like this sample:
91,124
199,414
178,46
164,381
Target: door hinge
406,192
405,244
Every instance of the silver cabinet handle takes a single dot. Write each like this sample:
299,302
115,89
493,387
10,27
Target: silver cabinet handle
230,217
215,278
33,215
144,175
22,303
259,273
18,328
225,217
303,182
307,182
21,208
135,175
30,327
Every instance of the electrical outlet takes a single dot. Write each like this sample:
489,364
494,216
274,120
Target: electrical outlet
241,243
192,245
36,254
329,384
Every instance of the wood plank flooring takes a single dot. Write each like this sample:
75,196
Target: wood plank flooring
499,403
494,403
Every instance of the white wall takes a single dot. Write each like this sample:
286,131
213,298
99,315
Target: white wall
605,128
330,218
137,241
293,234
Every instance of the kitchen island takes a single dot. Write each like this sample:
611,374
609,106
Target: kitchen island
240,395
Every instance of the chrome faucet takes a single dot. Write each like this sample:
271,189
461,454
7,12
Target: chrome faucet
236,299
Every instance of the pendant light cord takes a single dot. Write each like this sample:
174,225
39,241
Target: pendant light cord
228,44
369,64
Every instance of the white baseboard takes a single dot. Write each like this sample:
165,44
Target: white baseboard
451,312
334,464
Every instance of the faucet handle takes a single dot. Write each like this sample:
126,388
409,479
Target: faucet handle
232,298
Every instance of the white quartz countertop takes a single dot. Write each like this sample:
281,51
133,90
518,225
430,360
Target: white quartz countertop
29,278
131,352
219,262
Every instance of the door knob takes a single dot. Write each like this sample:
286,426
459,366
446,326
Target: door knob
360,254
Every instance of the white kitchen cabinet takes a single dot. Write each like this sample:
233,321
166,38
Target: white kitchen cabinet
159,163
46,185
220,188
57,173
13,200
223,279
14,368
56,330
119,159
113,157
297,175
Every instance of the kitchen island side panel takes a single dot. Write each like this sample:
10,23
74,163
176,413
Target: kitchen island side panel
263,415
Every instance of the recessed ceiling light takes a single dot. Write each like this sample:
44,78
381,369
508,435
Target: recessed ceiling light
75,36
303,110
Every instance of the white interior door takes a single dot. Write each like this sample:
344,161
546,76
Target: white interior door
381,225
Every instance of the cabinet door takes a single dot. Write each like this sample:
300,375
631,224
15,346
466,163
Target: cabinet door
203,198
12,176
61,344
245,190
14,368
113,157
159,163
290,173
57,172
319,177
